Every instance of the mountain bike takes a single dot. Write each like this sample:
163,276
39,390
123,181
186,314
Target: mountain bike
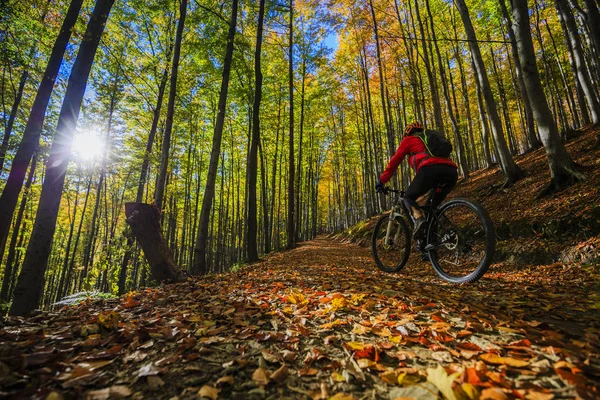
459,238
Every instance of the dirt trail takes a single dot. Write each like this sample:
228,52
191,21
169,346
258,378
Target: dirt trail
317,322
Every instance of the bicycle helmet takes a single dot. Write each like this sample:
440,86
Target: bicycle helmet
414,127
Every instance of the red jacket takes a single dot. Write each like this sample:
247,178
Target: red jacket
418,157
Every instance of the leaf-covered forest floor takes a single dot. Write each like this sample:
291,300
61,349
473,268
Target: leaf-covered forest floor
321,321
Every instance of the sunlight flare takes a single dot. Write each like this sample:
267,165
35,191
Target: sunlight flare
88,145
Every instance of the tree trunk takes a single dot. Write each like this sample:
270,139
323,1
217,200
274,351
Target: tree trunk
31,135
30,282
566,17
388,128
435,97
10,258
199,266
291,232
460,150
509,167
11,119
252,246
562,169
144,220
534,143
592,19
166,143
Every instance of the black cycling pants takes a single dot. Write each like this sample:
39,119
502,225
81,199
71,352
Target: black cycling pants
431,177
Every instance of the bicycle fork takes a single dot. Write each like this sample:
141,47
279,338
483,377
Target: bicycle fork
395,212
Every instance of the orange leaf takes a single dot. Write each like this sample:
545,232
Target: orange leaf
209,392
492,358
260,377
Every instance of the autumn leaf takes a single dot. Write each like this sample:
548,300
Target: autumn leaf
493,394
209,392
113,392
225,380
280,375
440,379
360,329
492,358
342,396
296,297
308,372
260,377
382,331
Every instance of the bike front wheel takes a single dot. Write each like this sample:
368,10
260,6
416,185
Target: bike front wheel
461,241
392,254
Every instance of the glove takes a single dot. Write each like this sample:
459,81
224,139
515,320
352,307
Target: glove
379,187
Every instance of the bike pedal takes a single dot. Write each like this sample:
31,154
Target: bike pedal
429,247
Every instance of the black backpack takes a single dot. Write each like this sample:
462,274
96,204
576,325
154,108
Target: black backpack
436,143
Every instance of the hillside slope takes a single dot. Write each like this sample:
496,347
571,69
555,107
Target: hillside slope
564,227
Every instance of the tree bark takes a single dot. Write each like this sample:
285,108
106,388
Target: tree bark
10,258
435,97
509,167
388,128
291,232
562,168
31,280
534,143
199,265
252,246
166,143
31,135
11,119
566,17
144,220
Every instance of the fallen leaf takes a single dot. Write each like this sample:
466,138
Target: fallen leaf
492,358
360,329
280,375
493,394
337,377
440,379
382,331
113,392
261,377
209,392
342,396
308,372
226,379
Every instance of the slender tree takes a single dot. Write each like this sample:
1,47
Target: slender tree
533,141
166,143
252,246
291,232
568,21
200,266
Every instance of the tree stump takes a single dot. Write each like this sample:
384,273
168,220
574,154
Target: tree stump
144,220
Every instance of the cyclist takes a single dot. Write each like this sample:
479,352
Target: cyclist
431,173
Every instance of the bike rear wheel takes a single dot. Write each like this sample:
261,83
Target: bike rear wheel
391,256
461,241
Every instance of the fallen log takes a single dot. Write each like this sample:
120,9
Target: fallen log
144,220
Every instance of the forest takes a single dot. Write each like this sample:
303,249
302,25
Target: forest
242,165
254,125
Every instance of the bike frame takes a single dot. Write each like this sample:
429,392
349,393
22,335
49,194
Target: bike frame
398,210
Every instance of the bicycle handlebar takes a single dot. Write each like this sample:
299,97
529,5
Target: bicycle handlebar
387,190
